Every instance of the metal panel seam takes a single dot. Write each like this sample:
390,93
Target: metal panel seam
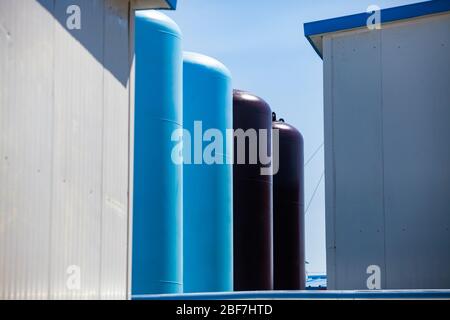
131,99
384,279
102,157
52,157
333,160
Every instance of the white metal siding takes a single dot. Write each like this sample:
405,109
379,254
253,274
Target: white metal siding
387,111
116,133
64,149
416,122
26,104
357,158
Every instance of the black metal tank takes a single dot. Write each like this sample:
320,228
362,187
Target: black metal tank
288,210
252,192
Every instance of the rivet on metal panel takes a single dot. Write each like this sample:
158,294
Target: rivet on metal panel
5,32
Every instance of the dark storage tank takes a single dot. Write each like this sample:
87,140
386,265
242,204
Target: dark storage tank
208,187
252,192
288,209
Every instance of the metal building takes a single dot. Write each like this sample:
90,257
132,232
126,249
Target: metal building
66,145
387,149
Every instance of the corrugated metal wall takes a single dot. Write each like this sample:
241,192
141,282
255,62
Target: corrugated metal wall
64,150
387,155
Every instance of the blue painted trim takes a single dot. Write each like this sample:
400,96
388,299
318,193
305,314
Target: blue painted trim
387,15
310,295
172,4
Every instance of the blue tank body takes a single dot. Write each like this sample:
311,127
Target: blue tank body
208,188
157,190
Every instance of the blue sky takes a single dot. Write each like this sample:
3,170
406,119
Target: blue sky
262,43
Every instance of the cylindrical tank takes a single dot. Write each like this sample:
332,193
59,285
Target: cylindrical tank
253,257
288,209
157,189
208,191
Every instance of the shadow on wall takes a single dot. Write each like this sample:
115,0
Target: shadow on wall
95,27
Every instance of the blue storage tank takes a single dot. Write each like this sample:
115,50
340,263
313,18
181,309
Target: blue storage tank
208,188
157,203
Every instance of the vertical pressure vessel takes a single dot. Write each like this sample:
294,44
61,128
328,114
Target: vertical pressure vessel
288,210
157,190
208,191
253,258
